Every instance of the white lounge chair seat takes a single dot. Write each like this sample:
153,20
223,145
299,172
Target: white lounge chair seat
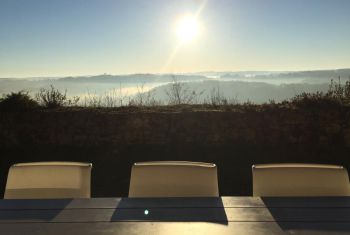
300,180
48,180
173,179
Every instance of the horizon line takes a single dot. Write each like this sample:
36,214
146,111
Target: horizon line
175,73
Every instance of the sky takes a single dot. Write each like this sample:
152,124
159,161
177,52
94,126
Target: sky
88,37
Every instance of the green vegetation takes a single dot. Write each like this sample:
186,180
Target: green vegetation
53,98
337,95
179,95
18,102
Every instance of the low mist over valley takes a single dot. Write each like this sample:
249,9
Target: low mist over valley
253,86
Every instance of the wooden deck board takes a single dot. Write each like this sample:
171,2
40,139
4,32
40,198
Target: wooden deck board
168,228
226,215
226,202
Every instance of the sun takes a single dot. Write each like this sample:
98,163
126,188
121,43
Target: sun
187,28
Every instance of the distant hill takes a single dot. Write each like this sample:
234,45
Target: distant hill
306,75
199,76
238,91
256,86
133,78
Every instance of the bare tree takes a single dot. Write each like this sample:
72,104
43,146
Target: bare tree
144,98
180,93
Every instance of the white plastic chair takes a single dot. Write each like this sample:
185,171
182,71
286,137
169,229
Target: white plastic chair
300,180
48,180
173,179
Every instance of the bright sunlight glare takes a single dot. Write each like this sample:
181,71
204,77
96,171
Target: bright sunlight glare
187,28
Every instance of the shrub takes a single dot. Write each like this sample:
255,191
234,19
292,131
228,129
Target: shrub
336,95
92,100
18,101
314,100
144,98
339,92
114,98
53,98
217,98
179,93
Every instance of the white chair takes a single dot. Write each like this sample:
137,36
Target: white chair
48,180
173,179
300,180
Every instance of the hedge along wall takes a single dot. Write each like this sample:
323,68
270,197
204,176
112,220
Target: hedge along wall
113,140
107,127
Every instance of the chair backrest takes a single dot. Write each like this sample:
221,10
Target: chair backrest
173,179
48,180
300,180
